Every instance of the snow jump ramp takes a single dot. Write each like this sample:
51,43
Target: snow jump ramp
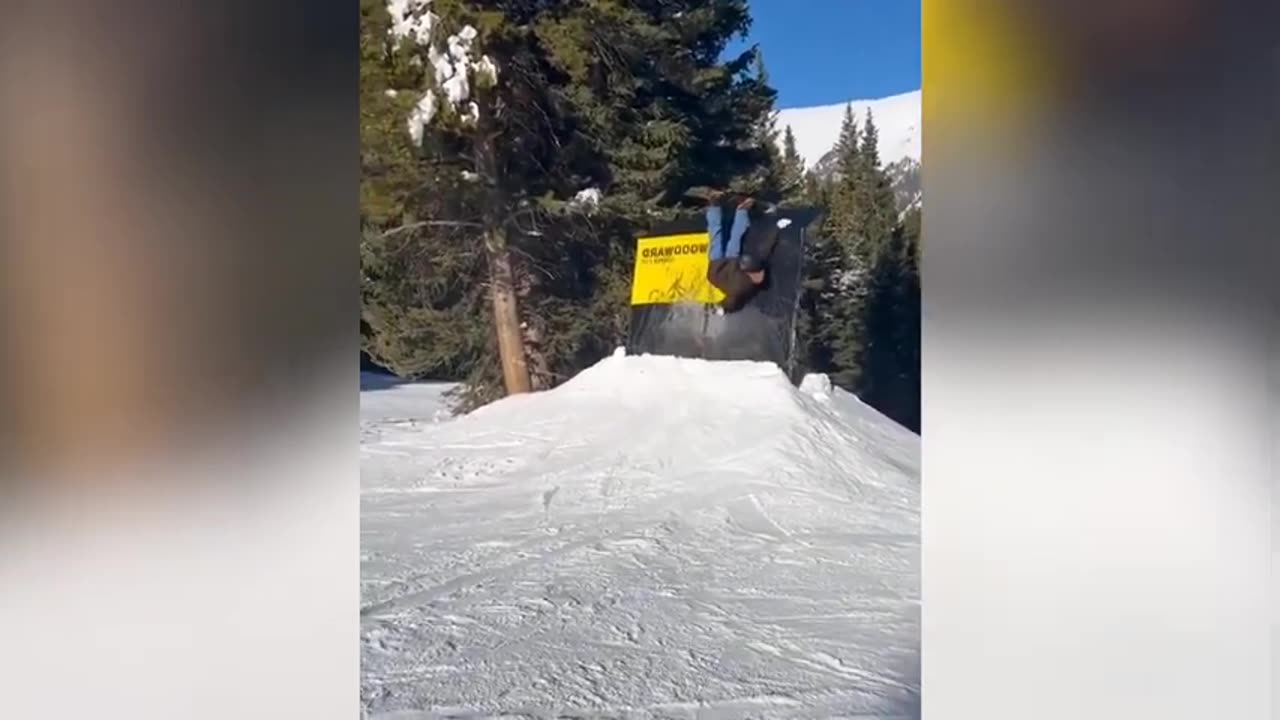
659,537
672,303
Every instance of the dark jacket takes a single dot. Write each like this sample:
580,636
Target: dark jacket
726,273
732,281
761,237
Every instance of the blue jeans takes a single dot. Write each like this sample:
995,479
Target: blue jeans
715,229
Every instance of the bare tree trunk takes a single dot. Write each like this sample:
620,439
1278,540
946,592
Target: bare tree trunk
534,332
539,368
506,315
506,310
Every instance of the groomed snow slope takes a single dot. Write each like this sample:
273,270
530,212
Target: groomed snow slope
384,398
817,129
658,537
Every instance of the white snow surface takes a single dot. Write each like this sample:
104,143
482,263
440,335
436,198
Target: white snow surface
658,537
385,399
817,129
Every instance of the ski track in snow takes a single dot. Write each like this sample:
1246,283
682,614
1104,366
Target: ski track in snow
657,538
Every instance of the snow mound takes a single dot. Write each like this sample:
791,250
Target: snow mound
656,536
726,421
817,129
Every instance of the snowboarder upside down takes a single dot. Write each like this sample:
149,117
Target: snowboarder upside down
738,275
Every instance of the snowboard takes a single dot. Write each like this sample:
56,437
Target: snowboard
732,197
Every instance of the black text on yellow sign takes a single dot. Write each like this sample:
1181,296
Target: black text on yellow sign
673,269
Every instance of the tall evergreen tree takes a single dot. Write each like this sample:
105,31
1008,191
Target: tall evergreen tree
842,335
891,358
842,222
421,286
629,101
882,336
758,99
870,146
632,101
815,190
826,321
857,280
876,209
791,169
848,142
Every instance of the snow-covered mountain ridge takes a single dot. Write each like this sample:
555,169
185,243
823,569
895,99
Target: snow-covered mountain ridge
817,128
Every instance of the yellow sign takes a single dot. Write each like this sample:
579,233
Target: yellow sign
672,269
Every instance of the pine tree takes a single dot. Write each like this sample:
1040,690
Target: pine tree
877,214
630,99
853,311
876,351
791,170
863,347
842,336
766,180
848,142
909,324
870,147
891,360
815,190
660,112
825,319
420,288
845,192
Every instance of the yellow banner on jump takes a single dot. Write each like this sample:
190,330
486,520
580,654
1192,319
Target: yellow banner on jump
672,269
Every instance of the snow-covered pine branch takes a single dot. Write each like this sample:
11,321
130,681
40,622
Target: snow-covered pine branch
457,66
587,199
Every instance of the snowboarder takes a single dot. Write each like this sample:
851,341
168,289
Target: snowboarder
737,274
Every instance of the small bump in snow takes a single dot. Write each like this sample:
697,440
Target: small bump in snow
817,386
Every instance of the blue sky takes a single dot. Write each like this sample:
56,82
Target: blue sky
820,52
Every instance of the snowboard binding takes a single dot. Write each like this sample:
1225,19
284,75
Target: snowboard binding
733,198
